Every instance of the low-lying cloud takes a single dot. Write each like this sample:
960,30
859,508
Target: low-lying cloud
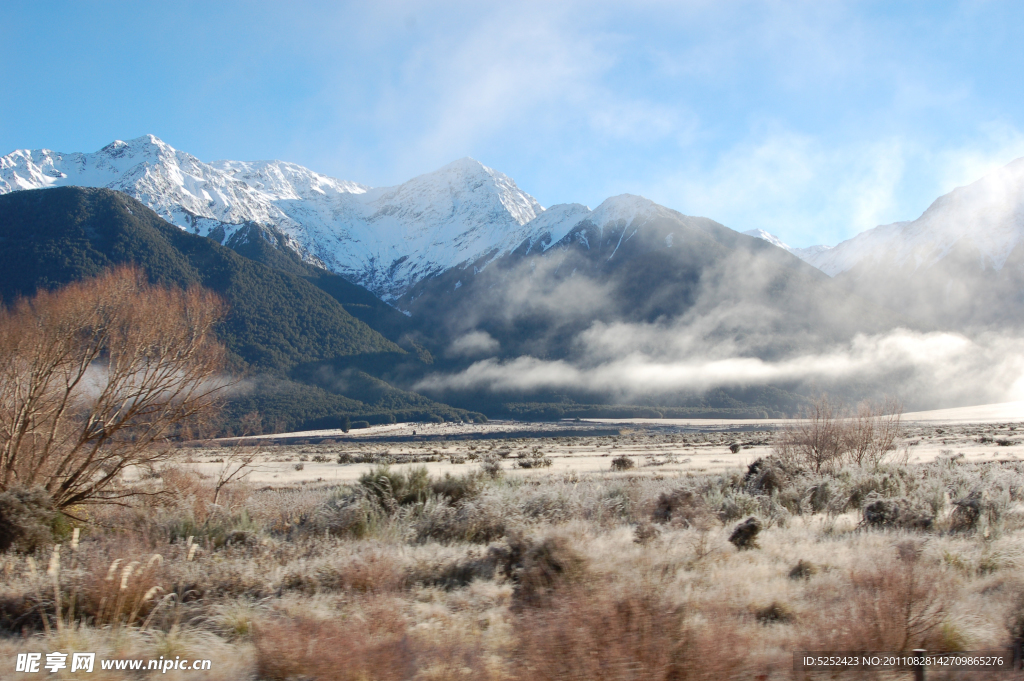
926,369
473,344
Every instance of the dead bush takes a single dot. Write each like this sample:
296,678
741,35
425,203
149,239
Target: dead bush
364,572
333,650
601,634
827,437
897,604
596,635
97,376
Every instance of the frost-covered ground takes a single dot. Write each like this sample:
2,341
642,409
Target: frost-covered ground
658,447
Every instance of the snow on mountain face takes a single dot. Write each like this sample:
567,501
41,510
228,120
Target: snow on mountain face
385,239
560,220
811,254
770,238
179,187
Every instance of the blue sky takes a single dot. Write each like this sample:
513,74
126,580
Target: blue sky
812,120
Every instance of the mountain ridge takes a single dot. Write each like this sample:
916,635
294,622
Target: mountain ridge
383,238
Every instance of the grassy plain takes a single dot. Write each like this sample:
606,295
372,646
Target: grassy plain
435,557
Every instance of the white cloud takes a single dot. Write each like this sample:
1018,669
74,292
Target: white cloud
937,369
473,344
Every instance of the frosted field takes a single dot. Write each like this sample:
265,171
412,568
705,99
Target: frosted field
657,447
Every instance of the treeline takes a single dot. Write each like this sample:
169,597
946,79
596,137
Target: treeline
272,405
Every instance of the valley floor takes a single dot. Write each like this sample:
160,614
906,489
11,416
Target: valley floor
657,447
495,564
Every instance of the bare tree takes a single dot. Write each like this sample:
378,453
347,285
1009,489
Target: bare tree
871,435
827,437
817,439
97,376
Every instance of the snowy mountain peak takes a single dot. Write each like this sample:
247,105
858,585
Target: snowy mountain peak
811,254
553,224
624,207
770,238
283,181
469,180
385,239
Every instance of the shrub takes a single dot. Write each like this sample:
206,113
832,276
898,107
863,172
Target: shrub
475,520
682,507
456,488
744,536
395,488
622,463
776,613
491,467
645,532
893,513
355,515
537,568
357,425
967,513
26,519
766,476
601,635
803,570
534,460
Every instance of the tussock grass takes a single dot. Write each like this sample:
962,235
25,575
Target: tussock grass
558,576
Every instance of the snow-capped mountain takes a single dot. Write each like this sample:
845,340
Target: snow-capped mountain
986,216
811,254
383,238
985,219
770,238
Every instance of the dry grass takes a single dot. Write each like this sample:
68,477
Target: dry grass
561,576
